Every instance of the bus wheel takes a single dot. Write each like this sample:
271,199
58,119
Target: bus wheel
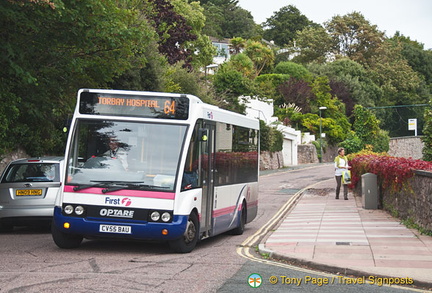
188,241
64,240
243,217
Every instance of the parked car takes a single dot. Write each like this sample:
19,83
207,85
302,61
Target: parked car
28,188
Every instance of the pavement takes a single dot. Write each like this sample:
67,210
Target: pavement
341,237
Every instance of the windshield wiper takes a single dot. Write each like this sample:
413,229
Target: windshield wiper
118,185
100,183
111,185
84,186
133,187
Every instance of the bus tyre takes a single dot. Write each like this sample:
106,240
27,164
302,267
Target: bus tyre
241,227
64,240
188,241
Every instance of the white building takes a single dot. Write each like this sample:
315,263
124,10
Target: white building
264,111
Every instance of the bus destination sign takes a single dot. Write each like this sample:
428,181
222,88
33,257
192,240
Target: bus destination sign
134,105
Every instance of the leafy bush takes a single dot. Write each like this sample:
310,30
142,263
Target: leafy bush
427,138
271,139
293,69
392,172
366,127
352,144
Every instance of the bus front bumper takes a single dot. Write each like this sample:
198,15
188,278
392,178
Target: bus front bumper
105,228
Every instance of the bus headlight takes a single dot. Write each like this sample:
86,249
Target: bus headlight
166,217
155,216
68,210
79,210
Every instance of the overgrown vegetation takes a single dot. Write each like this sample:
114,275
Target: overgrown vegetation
393,173
271,139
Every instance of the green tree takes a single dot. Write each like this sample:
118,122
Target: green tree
49,51
175,34
230,84
266,86
202,48
419,59
225,19
293,69
352,144
354,78
314,95
391,71
261,55
354,37
427,132
237,45
239,23
283,26
338,129
214,18
271,139
312,44
297,92
243,64
366,127
180,80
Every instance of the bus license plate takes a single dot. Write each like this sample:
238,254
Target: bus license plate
115,229
28,192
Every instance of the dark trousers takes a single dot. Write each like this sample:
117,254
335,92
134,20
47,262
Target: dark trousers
338,187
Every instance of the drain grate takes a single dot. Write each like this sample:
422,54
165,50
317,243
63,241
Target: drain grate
343,243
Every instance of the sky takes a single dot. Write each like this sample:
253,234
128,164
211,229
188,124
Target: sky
412,18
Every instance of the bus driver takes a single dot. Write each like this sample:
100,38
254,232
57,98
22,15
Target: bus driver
117,152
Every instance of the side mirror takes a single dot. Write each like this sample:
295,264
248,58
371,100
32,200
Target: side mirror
203,134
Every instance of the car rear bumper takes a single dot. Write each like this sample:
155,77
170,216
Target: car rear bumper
26,212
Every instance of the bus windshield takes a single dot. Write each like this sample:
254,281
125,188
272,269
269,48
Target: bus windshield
124,155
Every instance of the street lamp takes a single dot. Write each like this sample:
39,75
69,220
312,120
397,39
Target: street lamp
320,130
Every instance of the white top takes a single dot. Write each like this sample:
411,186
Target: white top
342,163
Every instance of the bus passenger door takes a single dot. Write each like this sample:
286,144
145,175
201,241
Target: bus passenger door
207,167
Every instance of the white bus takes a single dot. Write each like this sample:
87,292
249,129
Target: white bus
156,166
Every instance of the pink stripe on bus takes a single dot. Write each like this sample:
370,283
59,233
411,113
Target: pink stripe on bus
229,210
125,192
224,211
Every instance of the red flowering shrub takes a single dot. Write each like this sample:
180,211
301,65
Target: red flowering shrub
392,172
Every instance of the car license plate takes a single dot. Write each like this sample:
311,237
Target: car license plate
28,192
115,229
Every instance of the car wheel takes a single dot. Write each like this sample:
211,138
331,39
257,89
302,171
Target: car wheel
64,240
187,242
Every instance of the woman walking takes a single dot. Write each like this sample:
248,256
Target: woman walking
341,165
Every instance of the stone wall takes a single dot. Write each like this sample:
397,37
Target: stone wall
413,204
306,154
330,153
5,160
271,161
409,146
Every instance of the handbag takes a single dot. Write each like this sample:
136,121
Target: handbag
346,177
